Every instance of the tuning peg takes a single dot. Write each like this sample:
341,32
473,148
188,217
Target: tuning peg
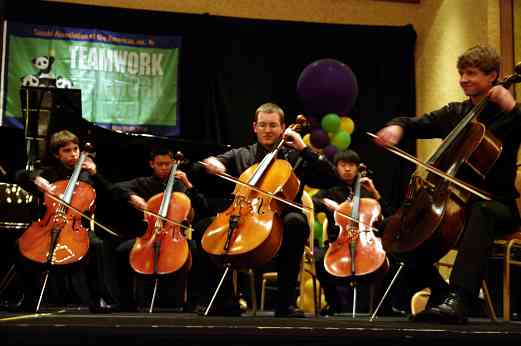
88,147
179,156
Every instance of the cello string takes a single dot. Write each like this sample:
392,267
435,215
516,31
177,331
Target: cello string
65,204
148,212
228,177
395,150
370,228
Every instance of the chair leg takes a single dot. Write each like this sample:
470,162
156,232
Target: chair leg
490,308
253,292
506,283
371,297
8,277
315,298
263,294
234,283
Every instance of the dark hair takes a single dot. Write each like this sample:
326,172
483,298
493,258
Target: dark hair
61,139
346,155
484,58
160,150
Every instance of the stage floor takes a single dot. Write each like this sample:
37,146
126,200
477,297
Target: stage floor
79,327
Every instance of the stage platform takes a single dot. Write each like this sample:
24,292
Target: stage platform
79,327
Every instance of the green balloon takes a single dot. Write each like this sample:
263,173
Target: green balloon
317,231
341,140
330,122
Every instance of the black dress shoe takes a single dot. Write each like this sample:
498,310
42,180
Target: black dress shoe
290,311
450,311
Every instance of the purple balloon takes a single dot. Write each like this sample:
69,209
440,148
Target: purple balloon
330,151
319,138
327,86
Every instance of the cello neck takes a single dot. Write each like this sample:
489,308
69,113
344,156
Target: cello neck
67,195
454,134
167,194
355,212
263,166
301,122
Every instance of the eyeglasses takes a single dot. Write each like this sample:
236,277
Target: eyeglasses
266,125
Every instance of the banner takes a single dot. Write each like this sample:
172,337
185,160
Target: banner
128,82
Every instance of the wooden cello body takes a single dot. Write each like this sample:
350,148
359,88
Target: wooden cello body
369,254
433,217
163,249
356,251
174,252
59,237
249,231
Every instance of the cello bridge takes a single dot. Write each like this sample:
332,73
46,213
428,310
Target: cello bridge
353,233
59,218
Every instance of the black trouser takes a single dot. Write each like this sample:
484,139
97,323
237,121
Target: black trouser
67,284
287,264
289,258
340,289
486,221
103,268
83,282
136,289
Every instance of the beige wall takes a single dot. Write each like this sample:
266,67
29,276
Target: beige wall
444,27
517,38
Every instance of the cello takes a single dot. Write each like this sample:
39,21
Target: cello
163,249
432,218
249,232
356,251
59,238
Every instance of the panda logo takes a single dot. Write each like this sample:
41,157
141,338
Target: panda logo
44,65
63,83
30,81
44,77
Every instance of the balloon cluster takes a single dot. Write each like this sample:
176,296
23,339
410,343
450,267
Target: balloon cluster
327,88
305,301
333,135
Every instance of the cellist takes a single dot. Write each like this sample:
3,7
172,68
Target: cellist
64,148
478,68
347,164
270,128
135,193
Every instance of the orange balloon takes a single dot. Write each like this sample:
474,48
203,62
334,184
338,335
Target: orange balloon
347,124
